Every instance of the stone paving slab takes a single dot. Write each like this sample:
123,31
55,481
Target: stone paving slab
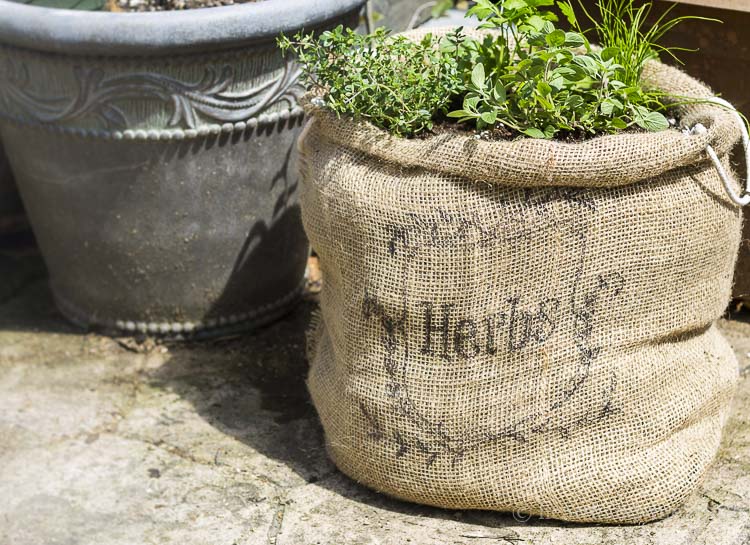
110,442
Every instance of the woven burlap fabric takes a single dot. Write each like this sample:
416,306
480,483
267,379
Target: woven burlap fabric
523,326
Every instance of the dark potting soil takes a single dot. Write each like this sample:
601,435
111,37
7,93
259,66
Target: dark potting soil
501,132
167,5
446,125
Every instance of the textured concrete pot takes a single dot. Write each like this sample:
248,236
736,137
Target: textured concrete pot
154,153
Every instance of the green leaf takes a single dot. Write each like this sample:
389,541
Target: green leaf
652,121
563,72
498,92
618,123
610,106
543,88
523,65
567,10
609,53
533,132
489,117
535,22
470,102
573,39
546,104
460,113
514,4
483,9
574,72
555,38
574,102
557,83
587,63
477,76
441,7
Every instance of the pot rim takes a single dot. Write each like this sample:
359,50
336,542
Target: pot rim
156,33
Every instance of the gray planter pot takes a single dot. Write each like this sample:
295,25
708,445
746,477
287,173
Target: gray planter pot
154,154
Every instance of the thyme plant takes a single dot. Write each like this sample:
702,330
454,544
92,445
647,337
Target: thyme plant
393,82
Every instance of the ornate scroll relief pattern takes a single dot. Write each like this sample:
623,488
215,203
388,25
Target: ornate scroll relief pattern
208,99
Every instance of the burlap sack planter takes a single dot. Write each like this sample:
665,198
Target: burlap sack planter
524,325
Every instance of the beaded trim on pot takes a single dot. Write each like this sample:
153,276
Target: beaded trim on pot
207,327
296,113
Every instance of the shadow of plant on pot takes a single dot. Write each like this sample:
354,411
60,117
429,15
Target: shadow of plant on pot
12,216
159,177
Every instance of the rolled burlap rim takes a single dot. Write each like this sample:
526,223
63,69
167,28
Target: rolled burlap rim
603,161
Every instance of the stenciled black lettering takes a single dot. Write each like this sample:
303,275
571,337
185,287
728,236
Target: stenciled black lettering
391,327
545,320
465,339
397,236
519,329
443,329
493,322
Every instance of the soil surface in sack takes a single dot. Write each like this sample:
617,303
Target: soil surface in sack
501,132
167,5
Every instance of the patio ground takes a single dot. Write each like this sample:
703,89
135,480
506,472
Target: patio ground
110,442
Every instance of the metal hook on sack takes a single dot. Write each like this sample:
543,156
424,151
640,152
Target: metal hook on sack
744,198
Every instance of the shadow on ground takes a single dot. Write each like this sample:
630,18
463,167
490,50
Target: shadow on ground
25,298
224,379
250,387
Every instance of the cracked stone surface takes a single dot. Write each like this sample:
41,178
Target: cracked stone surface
109,442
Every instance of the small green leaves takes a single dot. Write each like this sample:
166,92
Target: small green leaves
528,75
393,82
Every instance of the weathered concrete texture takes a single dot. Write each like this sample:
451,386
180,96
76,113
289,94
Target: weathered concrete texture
105,442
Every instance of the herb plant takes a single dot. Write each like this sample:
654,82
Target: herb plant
526,75
391,81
